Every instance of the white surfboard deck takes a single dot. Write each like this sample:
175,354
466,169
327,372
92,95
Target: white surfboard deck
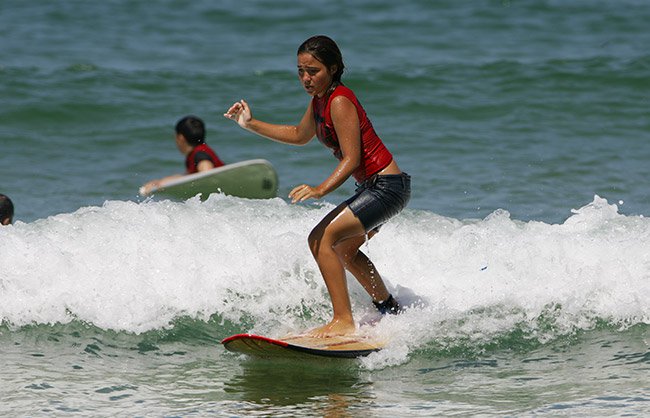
253,179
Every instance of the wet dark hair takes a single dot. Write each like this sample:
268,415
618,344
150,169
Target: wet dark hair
325,50
6,209
192,128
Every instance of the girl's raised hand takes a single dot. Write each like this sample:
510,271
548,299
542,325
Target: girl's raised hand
240,112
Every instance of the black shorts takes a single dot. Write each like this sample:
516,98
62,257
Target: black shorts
380,198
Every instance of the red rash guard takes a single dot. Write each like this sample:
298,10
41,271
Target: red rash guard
374,154
191,162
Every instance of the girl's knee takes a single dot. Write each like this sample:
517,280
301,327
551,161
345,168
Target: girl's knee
347,254
316,240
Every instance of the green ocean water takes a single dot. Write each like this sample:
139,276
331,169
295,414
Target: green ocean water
524,126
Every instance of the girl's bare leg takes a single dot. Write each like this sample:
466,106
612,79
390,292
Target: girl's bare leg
357,263
337,226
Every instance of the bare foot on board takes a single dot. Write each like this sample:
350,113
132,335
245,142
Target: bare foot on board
334,328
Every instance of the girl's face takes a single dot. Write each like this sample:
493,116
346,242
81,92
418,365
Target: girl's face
314,76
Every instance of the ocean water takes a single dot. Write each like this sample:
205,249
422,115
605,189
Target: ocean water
524,255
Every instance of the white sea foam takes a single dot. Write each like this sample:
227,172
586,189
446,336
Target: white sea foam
138,266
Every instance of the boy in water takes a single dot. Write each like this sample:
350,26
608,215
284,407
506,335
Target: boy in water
6,210
190,140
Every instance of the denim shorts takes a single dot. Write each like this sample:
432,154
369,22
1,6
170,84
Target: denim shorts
379,198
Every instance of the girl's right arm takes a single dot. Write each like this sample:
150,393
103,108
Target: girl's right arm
299,134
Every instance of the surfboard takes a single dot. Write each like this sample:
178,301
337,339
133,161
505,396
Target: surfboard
253,179
301,346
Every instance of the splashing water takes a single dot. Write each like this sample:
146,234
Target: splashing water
137,267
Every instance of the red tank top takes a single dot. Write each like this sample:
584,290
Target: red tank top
191,163
374,154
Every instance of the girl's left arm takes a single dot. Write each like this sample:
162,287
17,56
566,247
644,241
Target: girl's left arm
346,124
